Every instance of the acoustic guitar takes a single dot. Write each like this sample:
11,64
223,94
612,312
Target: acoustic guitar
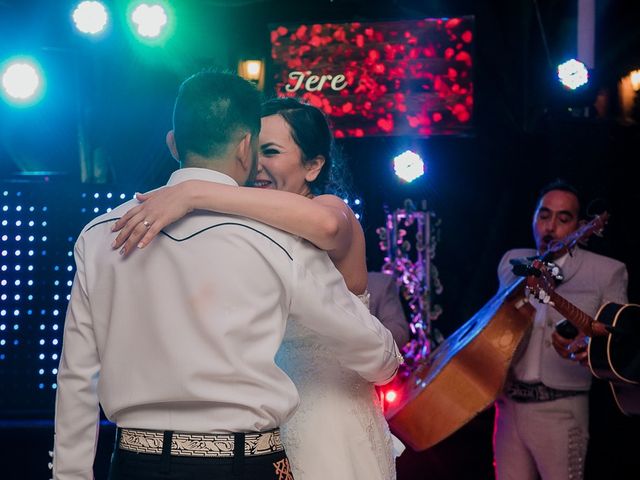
465,374
613,350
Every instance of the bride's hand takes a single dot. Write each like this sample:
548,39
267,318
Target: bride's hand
157,209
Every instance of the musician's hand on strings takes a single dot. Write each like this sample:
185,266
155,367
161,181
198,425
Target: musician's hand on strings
560,344
571,349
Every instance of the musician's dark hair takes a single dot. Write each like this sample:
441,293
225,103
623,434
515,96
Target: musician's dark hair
564,186
214,109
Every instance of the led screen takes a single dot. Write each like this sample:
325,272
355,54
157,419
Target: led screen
410,77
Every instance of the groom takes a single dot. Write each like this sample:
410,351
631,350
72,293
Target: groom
177,343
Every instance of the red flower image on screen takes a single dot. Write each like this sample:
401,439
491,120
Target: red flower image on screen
410,77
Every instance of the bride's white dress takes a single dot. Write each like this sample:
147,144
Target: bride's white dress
339,431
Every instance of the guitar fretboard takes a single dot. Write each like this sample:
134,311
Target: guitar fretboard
577,317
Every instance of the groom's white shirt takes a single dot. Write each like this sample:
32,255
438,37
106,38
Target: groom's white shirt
182,335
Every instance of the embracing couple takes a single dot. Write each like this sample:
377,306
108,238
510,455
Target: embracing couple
237,343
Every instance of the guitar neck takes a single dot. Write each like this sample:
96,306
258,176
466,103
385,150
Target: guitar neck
577,317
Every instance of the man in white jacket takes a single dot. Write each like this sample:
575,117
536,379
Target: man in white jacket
542,420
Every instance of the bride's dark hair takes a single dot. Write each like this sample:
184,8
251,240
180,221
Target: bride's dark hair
310,130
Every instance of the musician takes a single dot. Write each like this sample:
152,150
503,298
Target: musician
385,305
542,417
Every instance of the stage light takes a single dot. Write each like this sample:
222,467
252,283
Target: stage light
408,166
37,332
150,19
391,396
356,205
21,82
90,17
573,74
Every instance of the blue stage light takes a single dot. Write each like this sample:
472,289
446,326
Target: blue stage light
90,17
22,82
27,221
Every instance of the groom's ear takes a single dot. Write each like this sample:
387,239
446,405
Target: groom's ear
244,152
171,143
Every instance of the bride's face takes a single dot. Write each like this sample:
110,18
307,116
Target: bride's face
280,165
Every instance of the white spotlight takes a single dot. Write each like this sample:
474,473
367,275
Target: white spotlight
90,17
21,80
573,74
408,166
150,19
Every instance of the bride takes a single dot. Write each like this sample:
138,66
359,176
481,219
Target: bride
338,431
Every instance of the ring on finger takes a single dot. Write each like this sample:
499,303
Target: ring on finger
146,224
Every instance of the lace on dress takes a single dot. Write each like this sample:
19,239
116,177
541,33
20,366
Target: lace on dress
339,430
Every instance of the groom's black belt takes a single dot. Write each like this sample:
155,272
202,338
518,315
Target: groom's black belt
199,444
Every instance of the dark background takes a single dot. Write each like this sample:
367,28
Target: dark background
482,187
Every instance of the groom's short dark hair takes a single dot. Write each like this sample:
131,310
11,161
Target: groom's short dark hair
214,109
